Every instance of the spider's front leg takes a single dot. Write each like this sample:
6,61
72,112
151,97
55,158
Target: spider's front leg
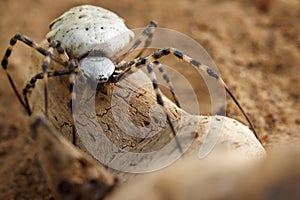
26,40
209,71
46,62
137,63
31,84
71,71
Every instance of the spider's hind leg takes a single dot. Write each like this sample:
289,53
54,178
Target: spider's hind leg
199,66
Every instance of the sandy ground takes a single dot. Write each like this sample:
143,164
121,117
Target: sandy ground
255,44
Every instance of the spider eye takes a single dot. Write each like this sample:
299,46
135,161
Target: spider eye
102,78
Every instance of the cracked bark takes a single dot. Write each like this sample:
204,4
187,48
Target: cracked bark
129,116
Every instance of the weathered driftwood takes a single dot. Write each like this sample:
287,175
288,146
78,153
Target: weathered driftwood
71,174
127,116
222,175
125,129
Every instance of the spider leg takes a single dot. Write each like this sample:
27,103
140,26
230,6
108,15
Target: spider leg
45,65
73,68
168,81
137,63
61,52
31,84
161,102
30,43
46,62
133,66
198,65
55,44
146,36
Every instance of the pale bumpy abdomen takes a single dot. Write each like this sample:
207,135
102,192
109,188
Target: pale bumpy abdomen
86,28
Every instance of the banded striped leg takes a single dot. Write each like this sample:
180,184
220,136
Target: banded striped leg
134,65
73,68
62,53
168,81
31,84
146,34
45,65
4,62
46,62
161,102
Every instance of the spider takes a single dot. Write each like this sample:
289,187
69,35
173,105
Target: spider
82,37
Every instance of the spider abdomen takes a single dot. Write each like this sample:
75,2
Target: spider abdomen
86,28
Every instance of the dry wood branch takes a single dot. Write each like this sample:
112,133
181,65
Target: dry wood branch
126,113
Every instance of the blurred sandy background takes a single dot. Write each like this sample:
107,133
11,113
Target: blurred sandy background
255,44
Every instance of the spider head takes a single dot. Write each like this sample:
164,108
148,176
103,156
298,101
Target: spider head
97,69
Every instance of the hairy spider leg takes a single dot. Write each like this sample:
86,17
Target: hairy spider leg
168,81
63,59
74,68
46,62
72,71
137,63
156,62
161,102
31,83
26,40
133,66
146,36
61,52
45,65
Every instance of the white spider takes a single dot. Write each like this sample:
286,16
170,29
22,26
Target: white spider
87,39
